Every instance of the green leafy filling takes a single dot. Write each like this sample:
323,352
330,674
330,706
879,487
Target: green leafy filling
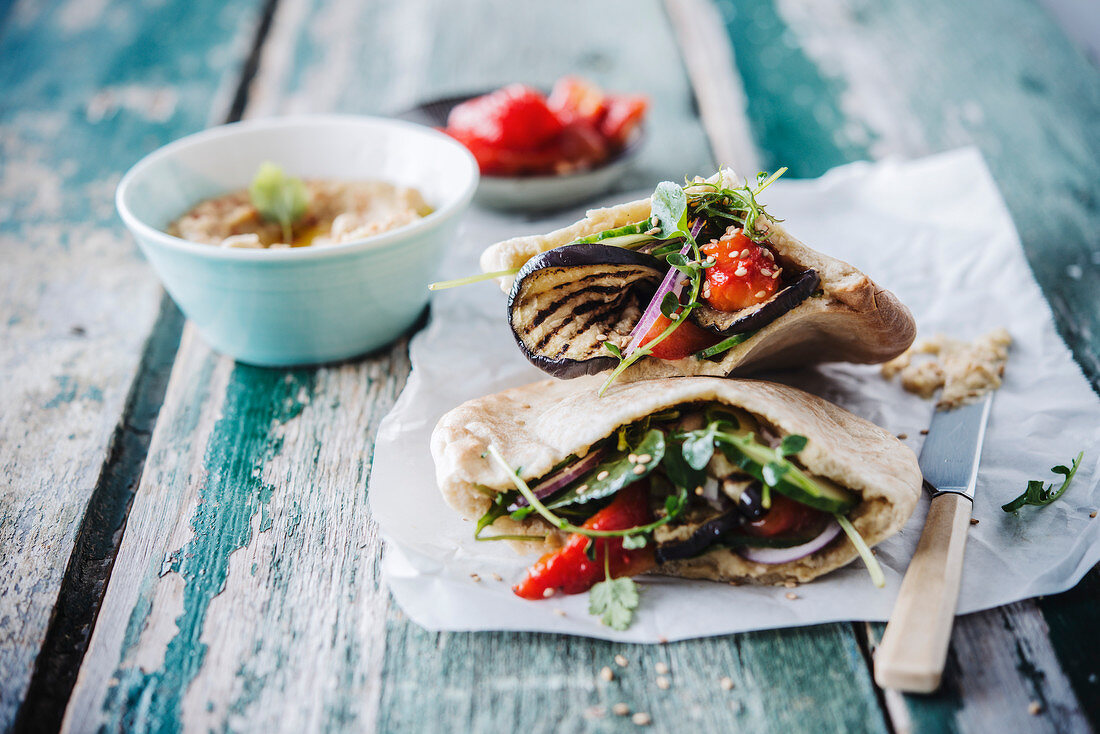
1039,495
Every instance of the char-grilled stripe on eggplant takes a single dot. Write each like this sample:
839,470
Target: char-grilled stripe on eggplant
566,302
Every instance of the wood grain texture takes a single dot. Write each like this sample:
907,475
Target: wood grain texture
86,92
246,593
835,81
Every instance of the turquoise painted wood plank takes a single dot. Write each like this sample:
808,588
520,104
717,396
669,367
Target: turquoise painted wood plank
87,89
829,82
284,626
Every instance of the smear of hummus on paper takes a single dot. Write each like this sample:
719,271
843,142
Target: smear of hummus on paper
965,370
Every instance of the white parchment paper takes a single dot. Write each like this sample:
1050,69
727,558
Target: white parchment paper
934,231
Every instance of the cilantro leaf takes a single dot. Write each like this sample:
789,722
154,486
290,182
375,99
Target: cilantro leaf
1039,495
614,602
278,197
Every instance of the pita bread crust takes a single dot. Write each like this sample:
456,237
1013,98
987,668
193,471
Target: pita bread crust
854,320
538,425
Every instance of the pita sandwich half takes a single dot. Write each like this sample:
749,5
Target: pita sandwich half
723,479
765,299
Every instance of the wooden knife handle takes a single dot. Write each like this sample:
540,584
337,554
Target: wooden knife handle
914,646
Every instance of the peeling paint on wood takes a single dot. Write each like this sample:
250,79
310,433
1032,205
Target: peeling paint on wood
76,302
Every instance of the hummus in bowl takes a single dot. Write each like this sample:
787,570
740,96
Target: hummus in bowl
336,212
298,305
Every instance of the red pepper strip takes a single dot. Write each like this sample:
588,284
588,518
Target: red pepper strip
570,570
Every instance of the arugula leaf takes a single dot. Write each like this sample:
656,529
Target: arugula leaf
1039,495
618,471
279,198
678,471
792,444
497,510
614,602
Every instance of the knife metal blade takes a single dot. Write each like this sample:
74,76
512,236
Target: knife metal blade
914,646
949,459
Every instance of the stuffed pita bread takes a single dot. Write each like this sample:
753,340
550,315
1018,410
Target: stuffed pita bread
723,479
597,289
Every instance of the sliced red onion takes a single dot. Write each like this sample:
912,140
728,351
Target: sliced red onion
786,555
673,283
562,477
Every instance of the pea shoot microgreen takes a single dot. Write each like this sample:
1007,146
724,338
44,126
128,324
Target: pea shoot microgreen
443,284
279,198
1039,495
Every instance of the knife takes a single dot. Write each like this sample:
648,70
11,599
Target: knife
914,647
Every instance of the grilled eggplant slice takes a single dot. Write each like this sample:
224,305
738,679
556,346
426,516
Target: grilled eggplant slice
566,302
754,318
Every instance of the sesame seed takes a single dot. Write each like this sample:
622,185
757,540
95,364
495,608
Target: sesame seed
903,436
620,709
559,612
641,719
475,577
791,595
973,521
744,253
761,294
639,469
548,593
606,674
645,458
1034,708
924,431
633,458
497,577
620,661
603,475
699,491
775,275
726,682
740,272
582,489
661,669
663,682
601,337
654,220
765,271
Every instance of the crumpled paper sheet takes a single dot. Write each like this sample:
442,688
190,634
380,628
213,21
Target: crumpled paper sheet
935,232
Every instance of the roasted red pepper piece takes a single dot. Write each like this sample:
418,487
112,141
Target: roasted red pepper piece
744,274
685,341
570,570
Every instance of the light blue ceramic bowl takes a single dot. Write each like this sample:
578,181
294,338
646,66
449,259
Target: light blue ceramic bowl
304,305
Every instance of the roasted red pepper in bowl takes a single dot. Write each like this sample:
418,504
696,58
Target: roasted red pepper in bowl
517,131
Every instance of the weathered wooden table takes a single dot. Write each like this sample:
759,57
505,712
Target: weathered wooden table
185,543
